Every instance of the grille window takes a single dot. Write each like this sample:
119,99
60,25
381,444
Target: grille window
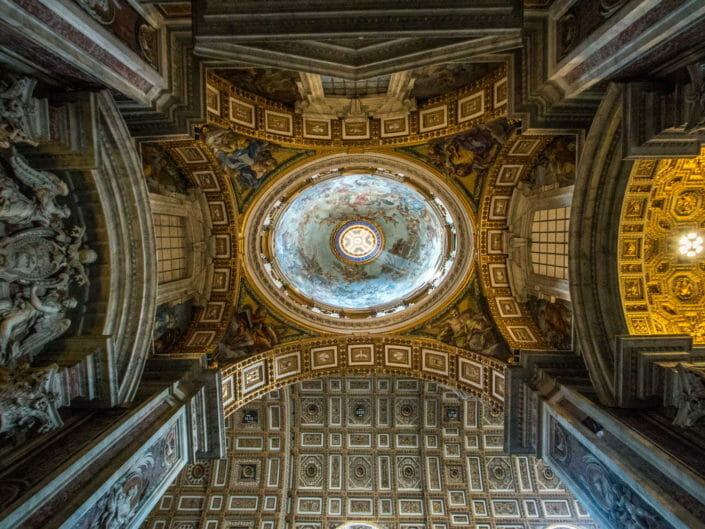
549,242
170,231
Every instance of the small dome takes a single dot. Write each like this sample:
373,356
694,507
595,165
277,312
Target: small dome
360,241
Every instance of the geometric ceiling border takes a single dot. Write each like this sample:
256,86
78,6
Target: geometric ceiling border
232,108
473,373
210,322
517,326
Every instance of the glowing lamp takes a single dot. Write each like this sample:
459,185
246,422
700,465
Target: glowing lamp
691,245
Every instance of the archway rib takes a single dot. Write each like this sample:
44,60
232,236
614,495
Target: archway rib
427,359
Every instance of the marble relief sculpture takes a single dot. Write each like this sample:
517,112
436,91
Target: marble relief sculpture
39,260
17,112
18,207
27,400
691,400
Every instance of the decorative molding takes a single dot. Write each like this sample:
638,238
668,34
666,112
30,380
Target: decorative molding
475,374
211,321
518,156
252,115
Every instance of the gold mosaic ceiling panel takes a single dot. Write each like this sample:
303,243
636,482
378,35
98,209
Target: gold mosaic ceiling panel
663,291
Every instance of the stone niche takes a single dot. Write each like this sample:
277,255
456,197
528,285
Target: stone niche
77,288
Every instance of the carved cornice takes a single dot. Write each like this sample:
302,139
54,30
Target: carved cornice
597,200
325,37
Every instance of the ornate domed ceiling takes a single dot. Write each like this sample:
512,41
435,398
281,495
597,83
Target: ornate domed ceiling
459,152
660,260
361,242
352,242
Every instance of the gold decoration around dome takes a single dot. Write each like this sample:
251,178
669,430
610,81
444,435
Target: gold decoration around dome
661,272
514,163
288,302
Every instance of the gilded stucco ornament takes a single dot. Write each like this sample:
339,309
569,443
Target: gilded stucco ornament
661,272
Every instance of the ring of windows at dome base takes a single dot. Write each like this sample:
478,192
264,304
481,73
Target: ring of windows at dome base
371,242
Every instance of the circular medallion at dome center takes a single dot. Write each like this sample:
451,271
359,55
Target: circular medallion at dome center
358,241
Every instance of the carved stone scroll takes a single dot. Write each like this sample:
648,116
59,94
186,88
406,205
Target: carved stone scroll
17,112
39,261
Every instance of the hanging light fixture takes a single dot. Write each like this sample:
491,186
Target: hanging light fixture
691,244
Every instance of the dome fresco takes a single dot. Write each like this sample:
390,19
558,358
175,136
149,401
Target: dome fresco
360,241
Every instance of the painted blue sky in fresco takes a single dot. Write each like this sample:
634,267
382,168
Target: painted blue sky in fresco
413,252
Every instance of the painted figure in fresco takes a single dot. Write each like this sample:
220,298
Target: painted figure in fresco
471,153
279,85
162,174
249,333
249,160
554,319
436,79
555,165
170,324
470,330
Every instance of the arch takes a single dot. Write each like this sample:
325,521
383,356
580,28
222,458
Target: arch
509,314
592,253
409,356
210,322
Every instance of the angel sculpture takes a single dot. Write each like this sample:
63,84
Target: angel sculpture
691,400
78,257
16,110
18,208
27,401
30,321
